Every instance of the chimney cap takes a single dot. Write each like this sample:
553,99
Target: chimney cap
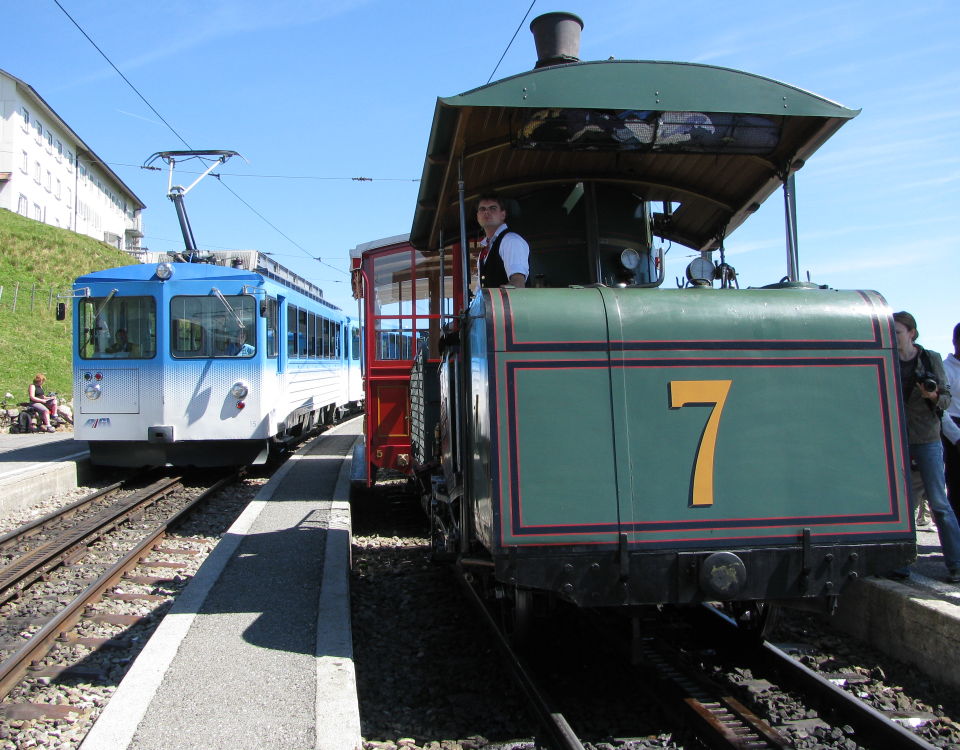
557,37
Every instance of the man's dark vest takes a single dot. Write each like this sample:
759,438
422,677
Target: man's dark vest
492,271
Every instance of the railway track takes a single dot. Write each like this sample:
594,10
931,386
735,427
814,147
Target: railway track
115,546
871,728
36,548
665,674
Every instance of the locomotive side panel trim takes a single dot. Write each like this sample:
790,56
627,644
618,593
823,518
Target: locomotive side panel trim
570,452
795,466
851,322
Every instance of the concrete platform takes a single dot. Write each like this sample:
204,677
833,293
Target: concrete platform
917,620
34,466
257,651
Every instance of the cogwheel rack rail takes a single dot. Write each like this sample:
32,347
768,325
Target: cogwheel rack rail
717,718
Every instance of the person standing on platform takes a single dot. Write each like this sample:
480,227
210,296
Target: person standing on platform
504,255
925,394
951,425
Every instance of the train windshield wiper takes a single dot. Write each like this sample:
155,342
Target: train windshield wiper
227,305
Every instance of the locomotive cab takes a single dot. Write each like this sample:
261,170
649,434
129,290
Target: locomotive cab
583,233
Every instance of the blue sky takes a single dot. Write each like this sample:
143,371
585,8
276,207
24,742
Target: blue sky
314,93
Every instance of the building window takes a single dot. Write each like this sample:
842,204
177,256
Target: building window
49,142
48,183
22,205
69,160
25,164
37,212
59,150
39,130
26,119
36,172
69,197
57,191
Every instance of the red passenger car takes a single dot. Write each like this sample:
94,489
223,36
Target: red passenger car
409,296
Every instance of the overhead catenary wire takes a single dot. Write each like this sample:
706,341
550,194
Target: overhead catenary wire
135,90
270,176
187,144
510,43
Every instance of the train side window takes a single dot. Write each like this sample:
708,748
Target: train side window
272,324
302,333
312,335
291,331
355,342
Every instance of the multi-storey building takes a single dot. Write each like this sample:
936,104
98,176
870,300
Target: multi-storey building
49,174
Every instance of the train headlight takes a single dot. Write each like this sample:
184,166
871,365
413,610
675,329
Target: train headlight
239,390
92,391
164,271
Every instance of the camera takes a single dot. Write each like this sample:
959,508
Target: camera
929,385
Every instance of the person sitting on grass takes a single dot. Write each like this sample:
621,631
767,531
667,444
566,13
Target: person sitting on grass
45,406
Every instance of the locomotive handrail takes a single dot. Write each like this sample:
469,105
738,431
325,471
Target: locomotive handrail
75,293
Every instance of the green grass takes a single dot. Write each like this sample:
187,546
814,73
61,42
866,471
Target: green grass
43,259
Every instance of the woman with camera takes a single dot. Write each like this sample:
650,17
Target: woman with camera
925,396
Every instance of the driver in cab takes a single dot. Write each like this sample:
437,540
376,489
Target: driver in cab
504,255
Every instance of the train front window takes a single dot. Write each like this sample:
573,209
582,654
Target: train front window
204,327
118,328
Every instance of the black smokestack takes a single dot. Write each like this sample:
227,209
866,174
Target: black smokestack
557,36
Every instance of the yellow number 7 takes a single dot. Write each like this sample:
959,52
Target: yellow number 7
713,392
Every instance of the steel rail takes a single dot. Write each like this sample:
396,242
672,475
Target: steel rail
27,529
40,559
13,669
871,727
559,733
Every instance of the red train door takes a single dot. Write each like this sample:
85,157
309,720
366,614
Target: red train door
408,296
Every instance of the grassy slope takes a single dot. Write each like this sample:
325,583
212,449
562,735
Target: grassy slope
33,341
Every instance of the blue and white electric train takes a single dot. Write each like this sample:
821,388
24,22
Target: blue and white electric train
207,363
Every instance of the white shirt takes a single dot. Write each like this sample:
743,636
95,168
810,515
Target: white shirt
951,366
514,252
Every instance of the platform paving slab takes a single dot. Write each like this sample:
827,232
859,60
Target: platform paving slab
34,466
257,651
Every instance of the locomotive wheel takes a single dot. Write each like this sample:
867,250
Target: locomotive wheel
516,616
